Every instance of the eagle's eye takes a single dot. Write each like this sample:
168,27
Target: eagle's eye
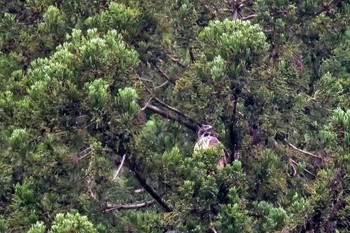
206,134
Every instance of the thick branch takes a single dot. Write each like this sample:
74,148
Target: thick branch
232,133
187,122
151,191
113,207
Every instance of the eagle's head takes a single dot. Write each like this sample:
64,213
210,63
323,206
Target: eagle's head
205,131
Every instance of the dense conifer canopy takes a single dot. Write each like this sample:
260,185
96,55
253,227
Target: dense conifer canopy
101,101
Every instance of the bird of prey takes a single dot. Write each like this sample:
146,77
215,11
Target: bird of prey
207,138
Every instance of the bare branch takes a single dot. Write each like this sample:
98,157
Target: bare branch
307,171
120,167
148,102
146,80
162,85
139,190
290,160
176,61
249,17
112,207
300,150
89,189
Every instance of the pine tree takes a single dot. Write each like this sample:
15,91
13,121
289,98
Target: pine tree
100,102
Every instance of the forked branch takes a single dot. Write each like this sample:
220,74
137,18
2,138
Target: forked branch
300,150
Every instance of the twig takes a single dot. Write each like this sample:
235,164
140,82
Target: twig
182,118
300,150
89,189
307,171
249,17
120,167
176,61
146,80
293,166
113,207
139,190
148,102
162,85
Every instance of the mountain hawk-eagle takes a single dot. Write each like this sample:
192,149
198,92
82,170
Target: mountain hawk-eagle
207,138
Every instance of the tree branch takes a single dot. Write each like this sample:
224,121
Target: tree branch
162,85
112,207
139,191
163,74
180,117
249,17
120,167
300,150
176,61
187,122
307,171
150,190
232,133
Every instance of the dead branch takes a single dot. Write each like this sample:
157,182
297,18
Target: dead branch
306,170
112,207
146,80
139,190
300,150
120,167
162,85
177,61
89,188
145,106
291,161
249,17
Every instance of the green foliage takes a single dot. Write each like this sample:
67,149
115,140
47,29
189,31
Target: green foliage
65,223
3,224
234,41
38,227
276,217
89,88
